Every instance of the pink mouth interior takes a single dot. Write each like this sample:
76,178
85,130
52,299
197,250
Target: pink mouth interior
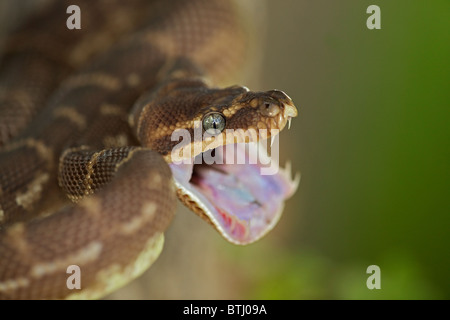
241,202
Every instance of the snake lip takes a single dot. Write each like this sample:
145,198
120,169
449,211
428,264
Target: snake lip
241,202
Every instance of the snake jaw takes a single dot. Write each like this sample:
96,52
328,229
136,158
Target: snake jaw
290,111
241,203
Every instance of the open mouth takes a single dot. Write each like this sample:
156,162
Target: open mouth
241,193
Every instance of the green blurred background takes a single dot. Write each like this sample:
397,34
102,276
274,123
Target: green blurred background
371,142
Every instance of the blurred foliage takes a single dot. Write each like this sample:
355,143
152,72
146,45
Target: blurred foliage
308,275
371,142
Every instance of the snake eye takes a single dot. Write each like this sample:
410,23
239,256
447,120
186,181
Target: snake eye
214,123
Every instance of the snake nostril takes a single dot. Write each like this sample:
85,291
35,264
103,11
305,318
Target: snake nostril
269,109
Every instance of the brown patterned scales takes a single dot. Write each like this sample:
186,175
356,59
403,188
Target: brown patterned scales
81,139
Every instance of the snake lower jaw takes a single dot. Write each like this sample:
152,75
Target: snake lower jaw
243,201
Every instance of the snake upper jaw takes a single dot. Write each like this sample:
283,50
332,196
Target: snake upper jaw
289,112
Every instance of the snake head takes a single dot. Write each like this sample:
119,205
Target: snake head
261,111
231,181
226,176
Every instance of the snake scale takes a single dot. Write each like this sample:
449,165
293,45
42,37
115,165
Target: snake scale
86,118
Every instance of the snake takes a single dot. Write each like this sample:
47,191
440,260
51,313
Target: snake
90,171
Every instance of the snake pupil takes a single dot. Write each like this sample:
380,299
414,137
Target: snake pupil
214,123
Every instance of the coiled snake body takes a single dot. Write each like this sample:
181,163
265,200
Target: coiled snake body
88,115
